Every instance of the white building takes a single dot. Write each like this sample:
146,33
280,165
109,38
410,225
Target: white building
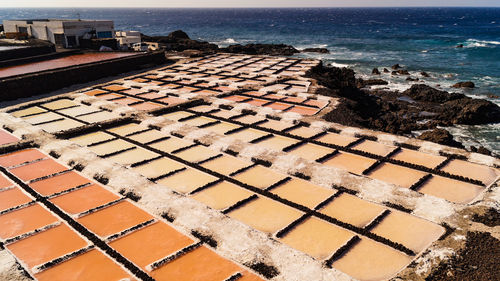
64,33
126,39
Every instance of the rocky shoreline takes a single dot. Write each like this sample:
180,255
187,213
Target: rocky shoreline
420,108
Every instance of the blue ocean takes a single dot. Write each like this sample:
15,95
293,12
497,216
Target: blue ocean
420,39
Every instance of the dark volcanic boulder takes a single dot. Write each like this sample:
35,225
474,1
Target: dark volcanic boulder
361,83
422,92
316,50
470,111
411,79
467,84
425,74
403,72
440,136
386,70
178,34
262,49
375,71
396,66
333,77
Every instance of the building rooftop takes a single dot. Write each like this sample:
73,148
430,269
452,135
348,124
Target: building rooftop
220,168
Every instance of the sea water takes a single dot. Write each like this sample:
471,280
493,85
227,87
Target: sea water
420,39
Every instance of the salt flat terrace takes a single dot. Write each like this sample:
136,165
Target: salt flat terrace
219,168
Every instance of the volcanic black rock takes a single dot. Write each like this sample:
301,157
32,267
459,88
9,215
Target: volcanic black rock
261,49
316,50
467,84
375,71
440,136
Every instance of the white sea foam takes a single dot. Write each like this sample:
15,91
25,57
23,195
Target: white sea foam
474,43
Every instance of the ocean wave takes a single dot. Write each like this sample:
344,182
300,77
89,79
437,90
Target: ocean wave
474,43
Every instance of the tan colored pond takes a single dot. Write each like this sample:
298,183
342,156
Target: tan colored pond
317,238
350,209
370,260
266,215
222,195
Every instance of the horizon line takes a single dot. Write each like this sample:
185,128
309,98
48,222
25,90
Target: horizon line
249,7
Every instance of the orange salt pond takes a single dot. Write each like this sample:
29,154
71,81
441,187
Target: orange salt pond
303,110
317,238
350,209
115,218
303,192
395,174
151,243
84,199
5,182
24,220
278,105
311,151
58,183
12,197
222,195
351,162
374,148
187,180
6,138
59,63
225,164
419,158
259,176
277,143
158,168
482,173
452,190
370,260
200,264
414,233
336,139
92,265
196,154
266,215
247,276
132,156
115,88
94,92
38,169
47,245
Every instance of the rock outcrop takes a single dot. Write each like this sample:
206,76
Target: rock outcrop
467,84
261,49
316,50
440,136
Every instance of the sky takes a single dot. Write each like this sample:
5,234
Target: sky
247,3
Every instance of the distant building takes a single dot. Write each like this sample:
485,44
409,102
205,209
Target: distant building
63,33
127,39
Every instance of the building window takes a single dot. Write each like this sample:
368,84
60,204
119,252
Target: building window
104,34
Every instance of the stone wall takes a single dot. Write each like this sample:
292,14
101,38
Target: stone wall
51,80
26,52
